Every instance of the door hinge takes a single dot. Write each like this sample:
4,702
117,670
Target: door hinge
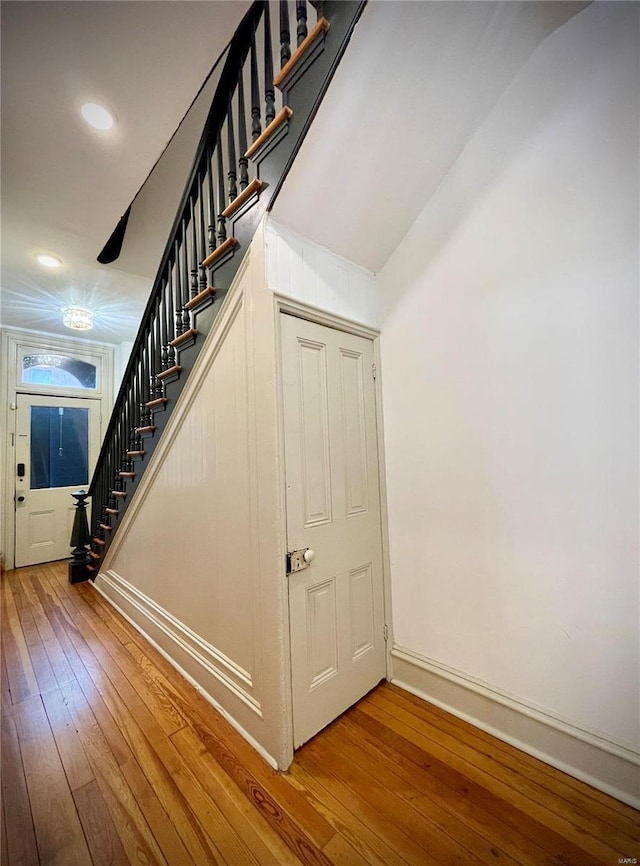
386,632
374,370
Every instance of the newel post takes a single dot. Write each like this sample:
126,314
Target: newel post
80,538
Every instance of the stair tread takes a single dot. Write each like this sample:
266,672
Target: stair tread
172,371
209,292
283,115
225,246
321,27
252,189
191,334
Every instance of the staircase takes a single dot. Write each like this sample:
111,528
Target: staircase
252,133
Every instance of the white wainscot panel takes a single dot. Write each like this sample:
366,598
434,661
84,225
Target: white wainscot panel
314,275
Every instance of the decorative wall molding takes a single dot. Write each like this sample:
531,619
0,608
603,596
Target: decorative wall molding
190,679
588,755
302,310
214,662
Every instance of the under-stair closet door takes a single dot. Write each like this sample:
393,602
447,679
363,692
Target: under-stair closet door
336,603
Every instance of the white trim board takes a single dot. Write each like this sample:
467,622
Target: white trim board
591,757
121,608
12,340
214,662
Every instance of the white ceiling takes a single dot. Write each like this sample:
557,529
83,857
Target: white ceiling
417,80
65,185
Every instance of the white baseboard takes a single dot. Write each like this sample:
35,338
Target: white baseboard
605,764
192,657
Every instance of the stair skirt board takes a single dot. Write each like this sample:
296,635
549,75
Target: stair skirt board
609,766
200,663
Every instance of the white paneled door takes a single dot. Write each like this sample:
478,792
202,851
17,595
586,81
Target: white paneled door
57,442
333,508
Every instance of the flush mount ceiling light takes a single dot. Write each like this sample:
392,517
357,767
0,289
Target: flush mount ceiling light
48,260
78,318
97,116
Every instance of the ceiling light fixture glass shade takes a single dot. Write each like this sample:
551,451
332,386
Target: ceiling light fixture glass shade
78,318
97,116
48,260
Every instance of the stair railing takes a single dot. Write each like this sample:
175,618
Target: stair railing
249,116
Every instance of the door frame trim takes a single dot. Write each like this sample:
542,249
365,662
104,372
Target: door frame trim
285,305
11,339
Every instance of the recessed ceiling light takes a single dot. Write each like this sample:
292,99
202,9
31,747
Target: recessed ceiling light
48,261
97,116
78,318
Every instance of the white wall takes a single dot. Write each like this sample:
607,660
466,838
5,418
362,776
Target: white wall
509,317
198,562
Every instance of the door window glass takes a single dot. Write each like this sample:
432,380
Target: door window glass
58,371
59,447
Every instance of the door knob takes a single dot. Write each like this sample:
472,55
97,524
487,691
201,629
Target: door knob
20,498
299,559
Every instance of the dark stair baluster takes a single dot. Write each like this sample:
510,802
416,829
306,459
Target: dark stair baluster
231,149
222,231
243,162
139,394
301,15
186,321
285,34
256,127
164,351
269,92
194,249
178,286
211,229
154,355
159,387
202,282
145,415
171,352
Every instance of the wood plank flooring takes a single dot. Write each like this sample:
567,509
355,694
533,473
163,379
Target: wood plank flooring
110,757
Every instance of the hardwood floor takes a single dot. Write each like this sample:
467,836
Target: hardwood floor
110,757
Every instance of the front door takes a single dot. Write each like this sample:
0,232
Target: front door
336,605
57,441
